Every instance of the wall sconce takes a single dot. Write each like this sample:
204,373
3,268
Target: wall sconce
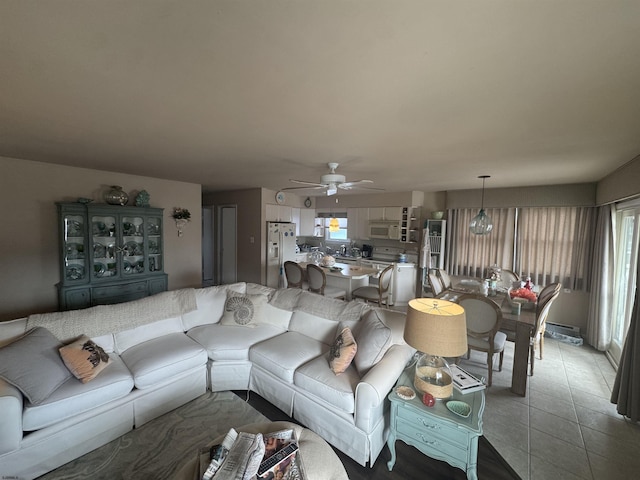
182,216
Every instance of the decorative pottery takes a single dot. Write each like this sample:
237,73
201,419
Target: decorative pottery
437,215
116,196
142,200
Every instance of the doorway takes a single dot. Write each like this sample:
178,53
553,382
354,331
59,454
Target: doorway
227,244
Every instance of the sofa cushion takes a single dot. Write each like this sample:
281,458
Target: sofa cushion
210,302
282,354
272,315
128,338
242,309
373,338
157,360
314,326
317,379
84,358
33,365
74,397
229,342
342,351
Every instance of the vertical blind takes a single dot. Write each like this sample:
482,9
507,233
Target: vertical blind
548,244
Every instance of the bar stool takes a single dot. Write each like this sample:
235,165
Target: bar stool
295,275
379,293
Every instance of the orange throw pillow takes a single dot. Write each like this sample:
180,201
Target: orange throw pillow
342,351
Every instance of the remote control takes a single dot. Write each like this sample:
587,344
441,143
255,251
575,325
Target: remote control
277,457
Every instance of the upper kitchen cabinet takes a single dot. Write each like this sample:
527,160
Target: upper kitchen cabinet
278,213
358,223
109,254
307,222
385,213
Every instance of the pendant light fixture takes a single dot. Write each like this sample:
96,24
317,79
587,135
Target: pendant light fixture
481,223
334,225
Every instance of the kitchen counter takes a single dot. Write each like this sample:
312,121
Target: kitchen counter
348,278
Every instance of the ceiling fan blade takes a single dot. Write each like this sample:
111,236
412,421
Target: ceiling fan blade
303,182
346,185
309,187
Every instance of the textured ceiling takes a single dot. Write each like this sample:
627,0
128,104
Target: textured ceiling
415,95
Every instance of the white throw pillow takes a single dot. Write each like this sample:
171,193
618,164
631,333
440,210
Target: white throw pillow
243,310
373,338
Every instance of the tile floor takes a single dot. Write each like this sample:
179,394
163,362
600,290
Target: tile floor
565,427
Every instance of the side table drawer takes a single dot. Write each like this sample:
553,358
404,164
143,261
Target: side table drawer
432,442
425,424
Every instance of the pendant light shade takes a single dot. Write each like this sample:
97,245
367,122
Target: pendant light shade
481,223
334,225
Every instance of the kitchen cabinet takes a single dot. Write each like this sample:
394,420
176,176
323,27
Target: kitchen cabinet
410,226
391,214
109,254
358,226
278,213
307,222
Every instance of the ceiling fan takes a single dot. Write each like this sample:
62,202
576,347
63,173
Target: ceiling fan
332,181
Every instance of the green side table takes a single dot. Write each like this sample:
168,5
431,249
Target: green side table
436,431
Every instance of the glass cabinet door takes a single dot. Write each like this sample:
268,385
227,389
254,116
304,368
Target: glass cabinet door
154,236
104,246
132,245
75,254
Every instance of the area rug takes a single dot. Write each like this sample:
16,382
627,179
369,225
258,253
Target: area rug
158,449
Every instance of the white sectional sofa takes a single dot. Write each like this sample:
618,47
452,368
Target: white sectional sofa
168,349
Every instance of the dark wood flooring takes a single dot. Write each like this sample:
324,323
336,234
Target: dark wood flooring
410,463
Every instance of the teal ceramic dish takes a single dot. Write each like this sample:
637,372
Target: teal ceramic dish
459,408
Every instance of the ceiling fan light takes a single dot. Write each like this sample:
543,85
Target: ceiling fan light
332,189
480,224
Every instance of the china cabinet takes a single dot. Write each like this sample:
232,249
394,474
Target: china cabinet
109,254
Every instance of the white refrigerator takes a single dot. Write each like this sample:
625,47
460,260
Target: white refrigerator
281,246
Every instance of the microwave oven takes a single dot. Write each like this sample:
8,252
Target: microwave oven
386,230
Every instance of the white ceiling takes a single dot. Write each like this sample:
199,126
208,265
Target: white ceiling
415,95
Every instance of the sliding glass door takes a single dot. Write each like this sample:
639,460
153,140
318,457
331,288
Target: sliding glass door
628,227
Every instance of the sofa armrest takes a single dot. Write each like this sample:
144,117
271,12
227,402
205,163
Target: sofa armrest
374,387
11,401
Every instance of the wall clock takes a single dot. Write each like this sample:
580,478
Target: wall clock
280,198
307,202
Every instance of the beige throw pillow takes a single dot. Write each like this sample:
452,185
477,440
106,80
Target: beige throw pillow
374,338
342,351
243,310
84,358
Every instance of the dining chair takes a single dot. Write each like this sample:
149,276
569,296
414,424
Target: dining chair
376,293
507,277
545,300
483,328
445,279
318,283
435,284
295,275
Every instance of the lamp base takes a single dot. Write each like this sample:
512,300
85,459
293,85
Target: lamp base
433,376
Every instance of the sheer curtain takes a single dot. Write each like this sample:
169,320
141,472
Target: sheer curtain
601,281
554,245
471,255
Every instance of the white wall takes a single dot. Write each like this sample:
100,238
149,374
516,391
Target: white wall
29,242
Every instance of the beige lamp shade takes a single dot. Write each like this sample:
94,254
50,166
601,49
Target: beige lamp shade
436,327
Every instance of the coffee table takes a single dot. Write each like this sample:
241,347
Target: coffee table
318,458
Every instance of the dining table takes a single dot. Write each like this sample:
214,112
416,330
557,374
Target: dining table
522,324
346,276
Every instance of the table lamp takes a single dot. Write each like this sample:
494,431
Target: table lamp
438,329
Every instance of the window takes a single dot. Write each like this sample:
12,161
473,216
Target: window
547,244
340,235
626,258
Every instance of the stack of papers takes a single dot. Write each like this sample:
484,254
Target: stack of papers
463,381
